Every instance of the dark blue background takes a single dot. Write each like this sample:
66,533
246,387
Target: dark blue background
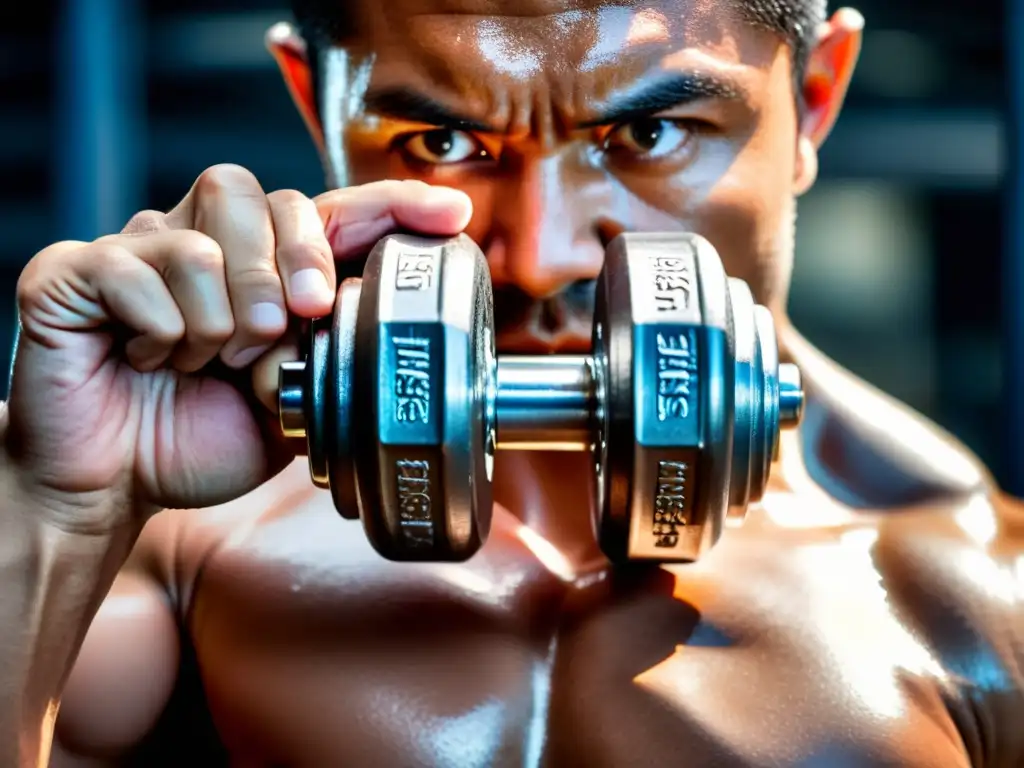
909,263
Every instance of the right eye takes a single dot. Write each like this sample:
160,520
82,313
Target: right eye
444,146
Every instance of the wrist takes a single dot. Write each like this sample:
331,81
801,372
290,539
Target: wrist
54,580
53,531
102,514
78,505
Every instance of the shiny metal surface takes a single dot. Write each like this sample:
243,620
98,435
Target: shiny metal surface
314,401
422,362
318,404
791,396
767,446
340,376
681,402
291,393
662,345
748,398
545,403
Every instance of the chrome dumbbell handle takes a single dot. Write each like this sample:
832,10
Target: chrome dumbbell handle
791,396
549,403
542,403
291,399
545,403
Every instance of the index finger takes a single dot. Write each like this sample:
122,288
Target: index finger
357,217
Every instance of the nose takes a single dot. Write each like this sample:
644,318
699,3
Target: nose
544,233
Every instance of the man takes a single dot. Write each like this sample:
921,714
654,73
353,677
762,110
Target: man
868,613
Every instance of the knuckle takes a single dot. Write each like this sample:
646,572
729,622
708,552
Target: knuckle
287,198
144,223
302,255
169,333
107,257
51,256
256,278
195,252
27,288
225,179
29,294
52,263
30,280
213,330
107,245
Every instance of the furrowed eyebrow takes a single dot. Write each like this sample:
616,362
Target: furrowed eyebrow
406,104
415,107
674,91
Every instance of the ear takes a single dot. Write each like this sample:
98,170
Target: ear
289,51
826,80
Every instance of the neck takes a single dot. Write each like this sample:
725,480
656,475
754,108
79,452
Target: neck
552,494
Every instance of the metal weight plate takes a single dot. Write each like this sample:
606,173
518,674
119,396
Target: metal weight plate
423,398
315,399
338,415
748,408
664,361
317,366
768,444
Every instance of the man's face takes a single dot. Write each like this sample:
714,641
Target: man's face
569,122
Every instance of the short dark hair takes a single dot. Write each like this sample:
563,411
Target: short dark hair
329,22
796,21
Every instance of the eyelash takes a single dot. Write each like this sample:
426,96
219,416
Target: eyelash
689,127
400,143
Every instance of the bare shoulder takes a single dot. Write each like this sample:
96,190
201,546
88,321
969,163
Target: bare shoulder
285,550
958,572
135,658
955,576
871,451
289,610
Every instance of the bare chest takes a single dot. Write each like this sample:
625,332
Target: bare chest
314,652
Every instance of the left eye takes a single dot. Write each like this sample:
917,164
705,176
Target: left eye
443,146
650,138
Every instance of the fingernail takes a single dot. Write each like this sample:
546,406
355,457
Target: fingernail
247,356
310,284
268,316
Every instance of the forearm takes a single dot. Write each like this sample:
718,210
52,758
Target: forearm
53,582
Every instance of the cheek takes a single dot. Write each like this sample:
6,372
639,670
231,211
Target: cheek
368,162
747,213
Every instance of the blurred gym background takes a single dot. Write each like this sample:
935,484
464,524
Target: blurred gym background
910,261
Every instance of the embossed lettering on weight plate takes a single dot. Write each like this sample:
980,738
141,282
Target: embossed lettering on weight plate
412,379
672,280
415,271
670,503
677,374
414,508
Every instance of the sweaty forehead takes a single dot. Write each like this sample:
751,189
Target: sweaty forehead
564,48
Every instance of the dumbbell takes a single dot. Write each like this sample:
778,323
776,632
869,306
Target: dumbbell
402,399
